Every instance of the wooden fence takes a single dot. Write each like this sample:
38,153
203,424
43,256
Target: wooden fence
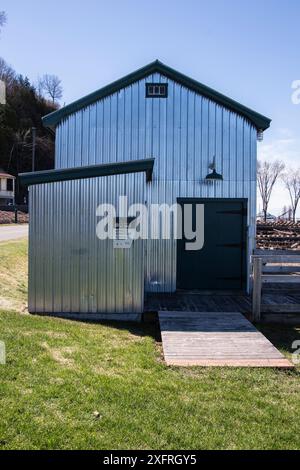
279,268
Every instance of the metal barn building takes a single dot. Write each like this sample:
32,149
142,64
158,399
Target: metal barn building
156,136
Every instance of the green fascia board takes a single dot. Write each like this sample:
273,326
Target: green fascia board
258,120
107,169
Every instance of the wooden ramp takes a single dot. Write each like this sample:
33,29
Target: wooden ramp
216,339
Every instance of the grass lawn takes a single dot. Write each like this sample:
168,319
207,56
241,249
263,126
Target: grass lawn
69,385
13,275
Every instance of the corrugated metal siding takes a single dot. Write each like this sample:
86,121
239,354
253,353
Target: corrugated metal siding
183,132
70,269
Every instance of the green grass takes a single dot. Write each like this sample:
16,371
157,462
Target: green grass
59,373
13,275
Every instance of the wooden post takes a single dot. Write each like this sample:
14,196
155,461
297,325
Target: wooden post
256,293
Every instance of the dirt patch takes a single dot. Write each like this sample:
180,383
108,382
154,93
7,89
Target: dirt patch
12,304
107,371
57,381
55,334
61,355
25,391
51,334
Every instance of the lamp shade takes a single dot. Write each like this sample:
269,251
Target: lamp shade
214,176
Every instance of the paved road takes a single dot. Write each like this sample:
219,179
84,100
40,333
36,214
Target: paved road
12,232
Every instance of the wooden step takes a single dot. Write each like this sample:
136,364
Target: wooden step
216,339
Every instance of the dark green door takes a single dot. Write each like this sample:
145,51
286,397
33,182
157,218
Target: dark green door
220,264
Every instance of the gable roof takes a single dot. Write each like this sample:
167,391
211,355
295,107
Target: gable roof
258,120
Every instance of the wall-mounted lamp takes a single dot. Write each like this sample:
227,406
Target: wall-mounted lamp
213,176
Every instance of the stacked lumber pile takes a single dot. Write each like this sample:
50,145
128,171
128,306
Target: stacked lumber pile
9,217
280,235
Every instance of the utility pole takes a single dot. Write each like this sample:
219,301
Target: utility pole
33,147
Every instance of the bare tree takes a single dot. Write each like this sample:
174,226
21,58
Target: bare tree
21,142
38,85
291,180
267,175
51,85
2,19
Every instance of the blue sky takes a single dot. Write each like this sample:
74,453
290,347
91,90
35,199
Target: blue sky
248,50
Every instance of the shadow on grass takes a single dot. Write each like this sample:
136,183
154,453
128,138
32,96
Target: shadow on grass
282,336
142,329
138,329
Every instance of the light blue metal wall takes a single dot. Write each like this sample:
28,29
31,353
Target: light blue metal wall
183,132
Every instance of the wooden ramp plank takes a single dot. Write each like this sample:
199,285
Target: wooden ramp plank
216,339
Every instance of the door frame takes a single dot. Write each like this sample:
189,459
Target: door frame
245,247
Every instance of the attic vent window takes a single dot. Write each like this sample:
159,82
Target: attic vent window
156,90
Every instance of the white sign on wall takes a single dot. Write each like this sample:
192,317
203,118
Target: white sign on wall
122,244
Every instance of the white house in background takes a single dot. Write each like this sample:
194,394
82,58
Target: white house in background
7,188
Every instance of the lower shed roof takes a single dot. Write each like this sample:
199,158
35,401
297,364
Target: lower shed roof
92,171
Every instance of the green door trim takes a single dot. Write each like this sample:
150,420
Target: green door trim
244,202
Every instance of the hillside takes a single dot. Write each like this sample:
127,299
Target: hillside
23,110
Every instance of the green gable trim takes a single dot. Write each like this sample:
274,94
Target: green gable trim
258,120
107,169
